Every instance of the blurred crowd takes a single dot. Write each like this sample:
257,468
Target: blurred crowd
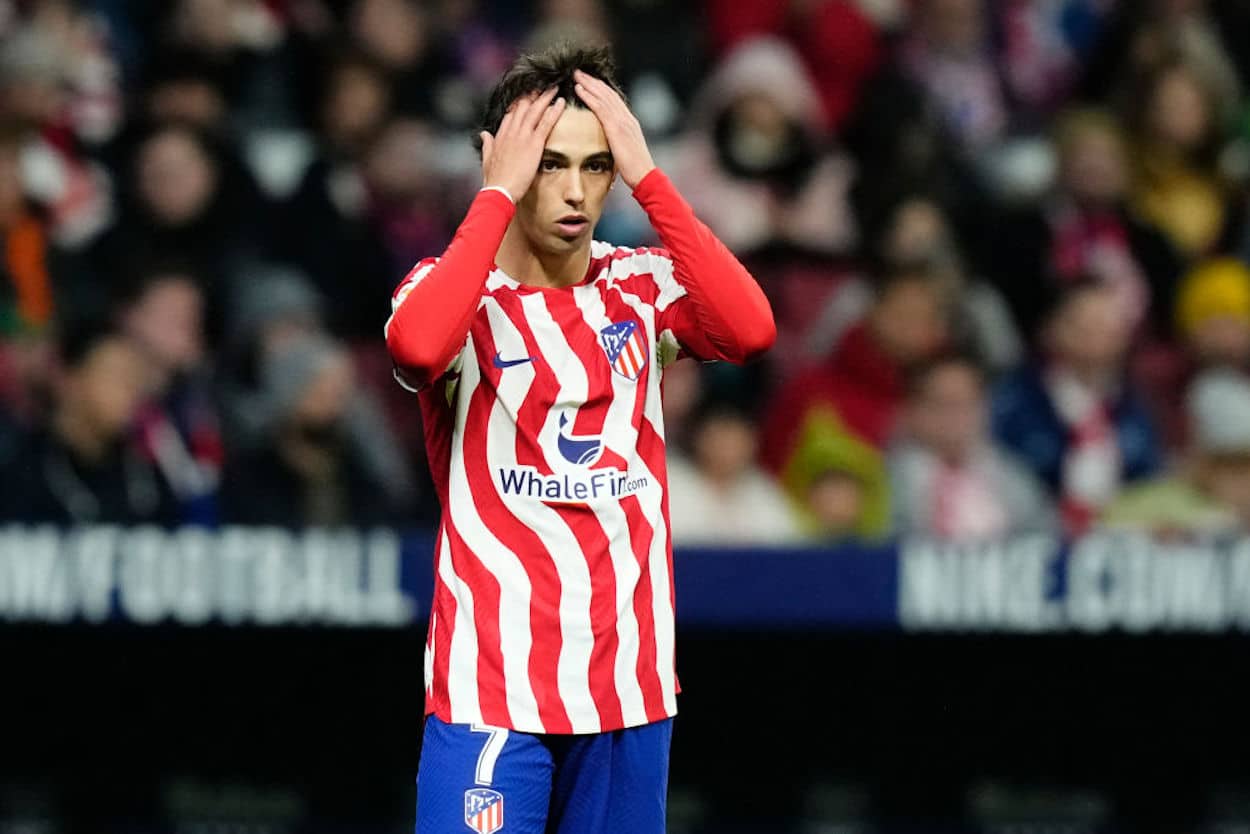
1007,244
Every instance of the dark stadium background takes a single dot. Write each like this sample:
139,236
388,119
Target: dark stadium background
962,211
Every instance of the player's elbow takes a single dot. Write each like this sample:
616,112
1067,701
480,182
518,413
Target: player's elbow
416,358
757,337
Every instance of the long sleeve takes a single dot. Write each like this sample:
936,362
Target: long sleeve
724,314
433,308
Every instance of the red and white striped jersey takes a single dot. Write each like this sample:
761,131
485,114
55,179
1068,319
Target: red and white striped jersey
553,598
553,604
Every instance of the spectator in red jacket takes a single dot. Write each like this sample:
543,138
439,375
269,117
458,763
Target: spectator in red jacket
862,380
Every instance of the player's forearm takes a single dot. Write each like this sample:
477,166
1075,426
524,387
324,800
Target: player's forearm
430,324
730,304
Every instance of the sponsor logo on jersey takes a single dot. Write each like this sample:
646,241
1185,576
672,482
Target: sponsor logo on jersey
626,347
483,810
577,486
500,362
582,451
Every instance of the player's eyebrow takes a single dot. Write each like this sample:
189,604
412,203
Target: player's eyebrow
602,156
555,156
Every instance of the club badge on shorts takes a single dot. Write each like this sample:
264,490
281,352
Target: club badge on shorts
483,810
626,347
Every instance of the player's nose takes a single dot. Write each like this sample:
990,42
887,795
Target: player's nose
574,193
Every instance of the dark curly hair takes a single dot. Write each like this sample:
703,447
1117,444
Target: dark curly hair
535,72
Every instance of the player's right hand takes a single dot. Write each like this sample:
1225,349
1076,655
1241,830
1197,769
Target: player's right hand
510,158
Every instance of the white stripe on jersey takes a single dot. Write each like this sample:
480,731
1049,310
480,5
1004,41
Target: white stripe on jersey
515,635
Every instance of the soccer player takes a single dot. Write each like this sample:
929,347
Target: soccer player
537,353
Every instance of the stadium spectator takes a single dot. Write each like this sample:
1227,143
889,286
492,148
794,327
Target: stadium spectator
902,143
274,307
34,94
397,34
950,56
1145,34
754,161
238,42
26,293
1212,316
837,481
1177,184
948,477
186,90
1072,414
408,202
84,466
915,230
861,380
162,312
838,42
186,199
1084,228
1041,51
1210,493
325,229
718,495
313,469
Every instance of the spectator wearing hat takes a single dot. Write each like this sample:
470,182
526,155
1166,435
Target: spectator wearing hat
1212,320
1213,314
837,481
1210,492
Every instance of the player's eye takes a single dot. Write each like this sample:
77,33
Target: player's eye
597,166
548,165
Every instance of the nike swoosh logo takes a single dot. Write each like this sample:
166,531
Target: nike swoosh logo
500,362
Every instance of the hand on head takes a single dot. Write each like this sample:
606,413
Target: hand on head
625,137
510,157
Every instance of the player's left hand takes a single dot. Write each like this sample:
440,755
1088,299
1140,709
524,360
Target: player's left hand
625,139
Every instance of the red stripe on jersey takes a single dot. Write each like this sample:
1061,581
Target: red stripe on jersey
490,670
640,535
437,421
651,448
545,591
443,621
641,284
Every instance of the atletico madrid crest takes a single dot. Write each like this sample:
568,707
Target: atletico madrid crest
483,810
626,347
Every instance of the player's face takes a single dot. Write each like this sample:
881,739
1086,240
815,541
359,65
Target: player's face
559,212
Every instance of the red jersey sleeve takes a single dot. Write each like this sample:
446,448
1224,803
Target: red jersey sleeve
712,306
432,309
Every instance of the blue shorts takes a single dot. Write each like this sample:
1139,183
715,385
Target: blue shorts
487,779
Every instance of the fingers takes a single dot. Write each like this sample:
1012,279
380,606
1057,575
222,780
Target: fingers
538,108
596,88
550,116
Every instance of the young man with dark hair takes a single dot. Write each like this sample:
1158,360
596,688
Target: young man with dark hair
537,354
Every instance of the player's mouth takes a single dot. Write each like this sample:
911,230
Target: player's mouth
572,225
